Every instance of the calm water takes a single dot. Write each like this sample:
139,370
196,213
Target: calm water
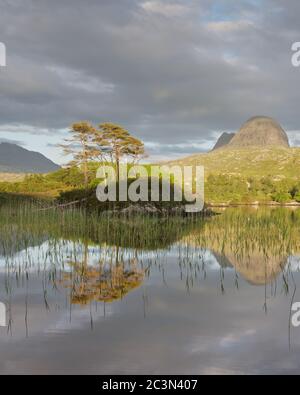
176,296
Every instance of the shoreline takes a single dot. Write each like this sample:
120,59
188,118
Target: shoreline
270,204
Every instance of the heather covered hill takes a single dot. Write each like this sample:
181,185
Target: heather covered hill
276,162
248,175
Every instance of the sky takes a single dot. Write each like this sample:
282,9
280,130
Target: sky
176,74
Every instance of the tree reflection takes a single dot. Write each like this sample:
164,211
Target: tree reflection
105,282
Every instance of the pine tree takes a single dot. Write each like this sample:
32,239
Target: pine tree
114,141
80,145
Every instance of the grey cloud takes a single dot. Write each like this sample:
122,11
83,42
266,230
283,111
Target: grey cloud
169,71
12,141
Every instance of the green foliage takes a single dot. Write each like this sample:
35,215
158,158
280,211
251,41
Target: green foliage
110,142
236,189
219,188
225,189
282,197
297,197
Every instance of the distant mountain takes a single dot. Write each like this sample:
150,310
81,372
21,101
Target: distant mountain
260,132
223,140
260,148
257,132
15,159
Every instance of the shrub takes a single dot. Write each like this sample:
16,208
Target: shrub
282,197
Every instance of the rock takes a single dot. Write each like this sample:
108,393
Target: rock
260,132
151,209
223,140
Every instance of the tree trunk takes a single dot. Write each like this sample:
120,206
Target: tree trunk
118,165
85,172
86,178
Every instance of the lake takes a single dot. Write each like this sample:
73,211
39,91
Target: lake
100,295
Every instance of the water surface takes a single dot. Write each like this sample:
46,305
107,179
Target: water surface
148,295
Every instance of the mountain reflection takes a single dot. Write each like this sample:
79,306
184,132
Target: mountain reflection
256,269
256,243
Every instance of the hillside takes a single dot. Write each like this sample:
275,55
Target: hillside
15,159
12,177
249,174
256,162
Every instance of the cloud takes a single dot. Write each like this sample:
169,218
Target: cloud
27,129
170,72
164,8
229,26
158,151
12,141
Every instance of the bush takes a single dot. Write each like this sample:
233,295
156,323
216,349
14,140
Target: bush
297,197
282,197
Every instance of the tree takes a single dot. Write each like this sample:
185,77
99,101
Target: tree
80,146
116,142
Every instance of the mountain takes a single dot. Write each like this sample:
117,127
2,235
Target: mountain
260,132
223,140
261,147
15,159
257,165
